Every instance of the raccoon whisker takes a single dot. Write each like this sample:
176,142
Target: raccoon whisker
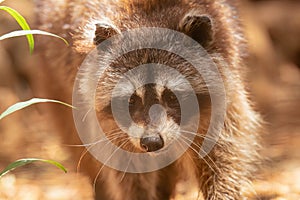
199,135
99,172
108,137
104,164
190,157
84,152
84,117
98,141
92,143
204,137
124,173
182,139
202,151
113,130
113,137
197,153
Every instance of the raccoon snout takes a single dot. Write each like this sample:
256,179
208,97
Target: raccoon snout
152,143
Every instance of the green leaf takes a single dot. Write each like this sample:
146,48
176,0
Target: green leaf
22,162
22,22
21,105
27,32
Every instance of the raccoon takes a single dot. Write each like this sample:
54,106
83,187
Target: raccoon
154,95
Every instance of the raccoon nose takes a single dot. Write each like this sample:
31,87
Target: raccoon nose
151,143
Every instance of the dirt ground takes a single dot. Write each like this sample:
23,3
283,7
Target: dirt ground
273,31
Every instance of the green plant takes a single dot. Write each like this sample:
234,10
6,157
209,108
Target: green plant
20,105
25,161
26,29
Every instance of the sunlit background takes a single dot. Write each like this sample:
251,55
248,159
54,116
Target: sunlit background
273,32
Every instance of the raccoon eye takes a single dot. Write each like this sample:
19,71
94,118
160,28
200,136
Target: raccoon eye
133,99
169,97
172,97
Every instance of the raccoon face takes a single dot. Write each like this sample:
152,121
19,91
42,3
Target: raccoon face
155,112
149,102
155,116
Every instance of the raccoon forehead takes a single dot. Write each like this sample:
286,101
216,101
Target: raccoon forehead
138,85
127,89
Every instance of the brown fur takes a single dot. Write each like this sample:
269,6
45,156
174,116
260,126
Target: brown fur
235,155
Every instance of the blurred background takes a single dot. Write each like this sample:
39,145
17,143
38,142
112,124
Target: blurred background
273,32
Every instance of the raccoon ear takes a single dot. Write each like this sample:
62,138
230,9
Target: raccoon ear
198,27
103,31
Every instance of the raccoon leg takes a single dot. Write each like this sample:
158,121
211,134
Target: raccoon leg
222,180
